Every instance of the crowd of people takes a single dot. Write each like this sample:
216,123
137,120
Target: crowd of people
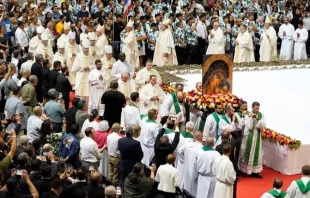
121,135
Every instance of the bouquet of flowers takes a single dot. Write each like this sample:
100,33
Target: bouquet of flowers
166,88
274,136
206,102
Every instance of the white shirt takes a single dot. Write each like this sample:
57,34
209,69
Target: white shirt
89,150
168,179
201,30
34,124
112,143
94,124
120,67
306,22
21,37
20,82
26,66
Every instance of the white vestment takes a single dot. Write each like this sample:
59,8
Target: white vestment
121,67
70,50
165,45
188,153
144,75
96,90
244,51
46,51
34,43
50,37
211,128
268,47
217,43
293,190
247,160
225,177
59,57
149,132
268,195
300,44
206,177
146,93
286,51
130,115
81,77
100,45
93,52
64,38
125,88
130,49
224,126
107,65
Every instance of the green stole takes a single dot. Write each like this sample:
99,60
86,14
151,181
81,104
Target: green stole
207,148
167,131
249,144
217,120
186,134
277,194
240,114
176,103
224,117
148,120
304,189
132,104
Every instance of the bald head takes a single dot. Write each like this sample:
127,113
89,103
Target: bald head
189,126
24,139
277,183
170,159
37,111
198,136
210,142
96,178
110,192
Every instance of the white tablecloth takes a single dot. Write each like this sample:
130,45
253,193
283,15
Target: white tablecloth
285,160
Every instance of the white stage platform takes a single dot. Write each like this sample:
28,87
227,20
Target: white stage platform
284,97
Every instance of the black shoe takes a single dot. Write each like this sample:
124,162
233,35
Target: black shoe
256,175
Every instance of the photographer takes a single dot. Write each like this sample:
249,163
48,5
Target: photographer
162,146
6,161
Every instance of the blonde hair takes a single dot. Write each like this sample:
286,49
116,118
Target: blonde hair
136,131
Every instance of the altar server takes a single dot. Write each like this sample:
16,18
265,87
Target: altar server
102,41
149,131
300,37
130,45
188,155
227,122
216,40
36,40
244,51
250,160
225,174
206,178
300,188
170,99
65,35
124,85
286,32
151,95
276,191
45,48
71,50
211,127
98,79
108,61
268,47
164,53
82,65
143,75
60,55
131,113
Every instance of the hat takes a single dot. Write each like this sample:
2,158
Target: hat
44,37
86,43
61,44
103,125
166,22
268,20
108,49
72,35
83,36
53,93
67,26
40,29
92,36
81,104
99,28
130,24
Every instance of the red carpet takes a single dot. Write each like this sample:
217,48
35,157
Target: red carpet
254,188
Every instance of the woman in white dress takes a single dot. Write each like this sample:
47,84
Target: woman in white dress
92,121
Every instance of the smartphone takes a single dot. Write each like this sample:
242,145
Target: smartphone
118,191
69,168
19,172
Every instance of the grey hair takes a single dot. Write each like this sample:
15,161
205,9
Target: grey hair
13,66
39,57
24,139
129,130
228,107
189,125
32,78
23,157
47,147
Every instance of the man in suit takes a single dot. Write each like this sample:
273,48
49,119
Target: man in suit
94,190
70,114
63,85
53,74
23,143
36,69
131,153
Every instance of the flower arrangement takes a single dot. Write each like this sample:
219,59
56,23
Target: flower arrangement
166,88
274,136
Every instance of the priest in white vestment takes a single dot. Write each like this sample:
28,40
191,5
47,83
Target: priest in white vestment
300,37
130,45
268,47
149,132
92,50
143,75
216,40
71,50
124,85
178,110
276,191
225,174
286,32
45,48
36,40
188,155
131,114
164,53
244,51
65,35
169,100
108,61
227,123
206,178
102,41
300,187
150,95
211,127
98,79
250,160
60,55
82,65
122,66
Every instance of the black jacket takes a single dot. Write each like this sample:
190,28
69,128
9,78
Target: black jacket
63,84
95,191
52,78
68,191
163,150
219,148
70,117
36,69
